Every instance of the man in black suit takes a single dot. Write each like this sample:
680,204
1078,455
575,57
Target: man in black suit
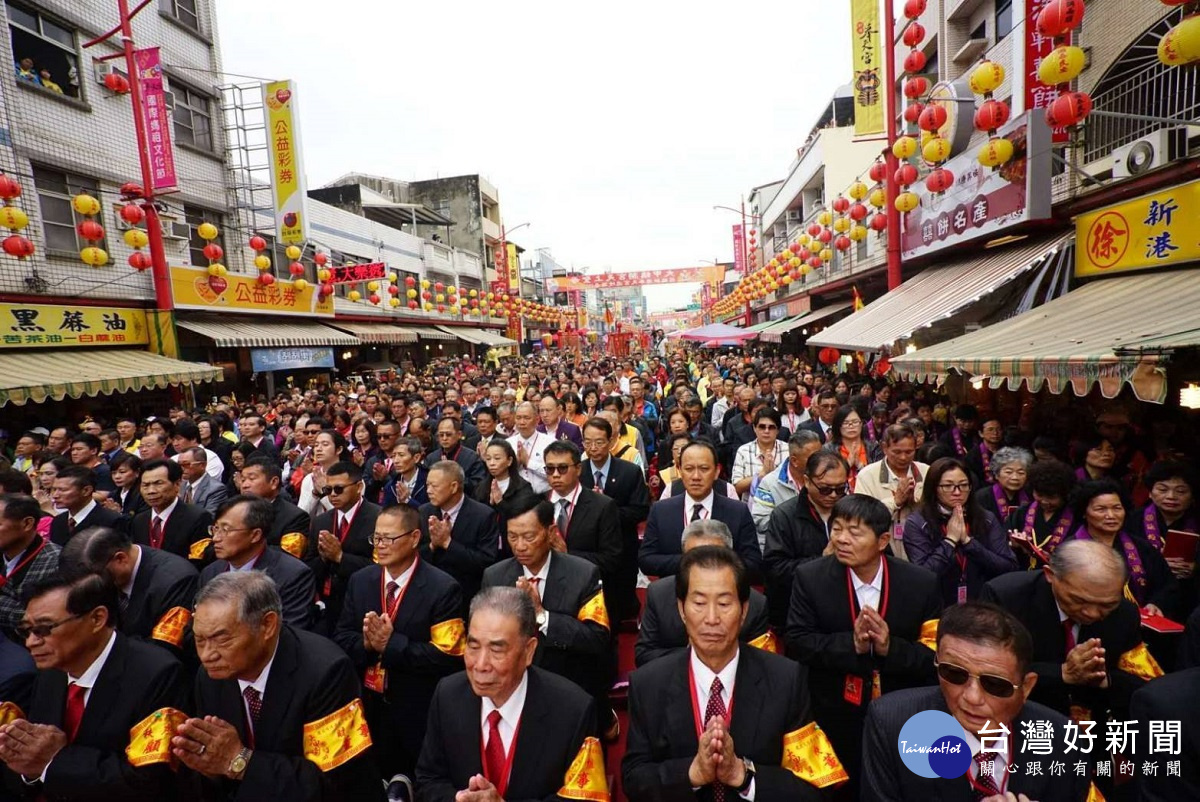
485,421
170,524
94,686
239,544
1087,638
863,623
686,733
825,408
1160,700
378,470
470,434
474,715
339,541
73,488
17,674
278,710
253,429
662,545
28,557
402,626
198,487
588,522
662,631
625,484
567,595
156,587
450,439
263,478
984,678
458,534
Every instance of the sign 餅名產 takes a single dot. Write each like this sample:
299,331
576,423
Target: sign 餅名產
868,65
287,169
55,326
193,288
1154,230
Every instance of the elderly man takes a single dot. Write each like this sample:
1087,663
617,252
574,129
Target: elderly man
198,487
529,445
475,737
550,410
458,533
27,557
278,710
170,524
662,631
96,693
152,446
984,682
1088,652
685,731
897,480
451,447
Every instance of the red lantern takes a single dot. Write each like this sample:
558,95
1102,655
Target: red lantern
327,289
115,82
412,304
883,367
90,230
939,180
141,261
829,356
858,212
393,289
1069,109
915,87
18,246
913,8
133,214
814,262
439,286
296,269
374,298
842,243
878,171
991,115
212,251
266,279
932,118
803,254
1059,17
131,189
914,62
814,229
427,296
840,205
912,112
825,236
879,222
257,243
914,34
319,259
9,187
906,174
409,281
441,307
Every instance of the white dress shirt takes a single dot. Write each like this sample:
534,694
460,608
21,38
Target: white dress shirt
259,684
87,681
402,580
165,515
85,512
999,766
869,593
704,678
689,505
510,714
534,471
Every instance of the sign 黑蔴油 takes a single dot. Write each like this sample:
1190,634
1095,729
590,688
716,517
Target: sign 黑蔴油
56,326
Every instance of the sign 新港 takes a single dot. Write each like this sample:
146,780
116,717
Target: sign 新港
1154,230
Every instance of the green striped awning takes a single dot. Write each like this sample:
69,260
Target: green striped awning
40,375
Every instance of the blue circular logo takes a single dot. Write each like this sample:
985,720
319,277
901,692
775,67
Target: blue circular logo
933,744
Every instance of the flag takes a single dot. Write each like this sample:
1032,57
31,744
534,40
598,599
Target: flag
608,315
858,301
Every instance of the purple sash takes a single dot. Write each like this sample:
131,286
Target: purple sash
985,456
1065,521
1082,475
959,449
1137,571
1002,503
1154,533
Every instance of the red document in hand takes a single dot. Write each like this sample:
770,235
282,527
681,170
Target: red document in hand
1181,545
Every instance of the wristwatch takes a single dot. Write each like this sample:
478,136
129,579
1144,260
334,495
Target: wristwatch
749,767
237,766
542,618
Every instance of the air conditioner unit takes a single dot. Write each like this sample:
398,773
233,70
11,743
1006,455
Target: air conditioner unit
795,215
1150,152
172,229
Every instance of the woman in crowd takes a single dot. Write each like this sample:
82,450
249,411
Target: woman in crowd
678,421
848,438
960,542
342,423
364,443
591,401
1039,526
504,490
328,447
1172,506
1094,458
979,459
761,456
1010,467
127,476
285,417
791,407
573,405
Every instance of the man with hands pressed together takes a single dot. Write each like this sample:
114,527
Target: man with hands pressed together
458,534
338,545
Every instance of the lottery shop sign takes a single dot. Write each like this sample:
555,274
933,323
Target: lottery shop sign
52,326
351,274
1154,230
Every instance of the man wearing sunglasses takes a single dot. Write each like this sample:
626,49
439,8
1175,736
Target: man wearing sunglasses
863,622
339,540
401,625
985,675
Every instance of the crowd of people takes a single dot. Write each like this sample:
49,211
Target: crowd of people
420,588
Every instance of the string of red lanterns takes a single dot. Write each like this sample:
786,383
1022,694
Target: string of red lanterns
1056,21
14,219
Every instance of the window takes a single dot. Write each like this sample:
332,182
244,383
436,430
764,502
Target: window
193,117
194,215
55,190
44,52
980,32
182,11
1004,18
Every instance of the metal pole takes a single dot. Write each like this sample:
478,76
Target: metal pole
894,275
745,260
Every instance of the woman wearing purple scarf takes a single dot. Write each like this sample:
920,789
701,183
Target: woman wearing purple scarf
1172,505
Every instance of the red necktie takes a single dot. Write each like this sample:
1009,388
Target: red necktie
393,590
344,529
1069,633
986,782
716,707
74,711
493,752
254,703
156,532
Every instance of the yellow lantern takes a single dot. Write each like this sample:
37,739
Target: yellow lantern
207,231
779,271
907,201
440,298
428,306
136,238
354,295
262,262
392,277
786,280
300,285
12,217
904,148
936,150
858,190
94,256
450,290
217,269
411,293
841,225
293,252
825,218
86,204
805,269
393,301
1181,44
324,274
787,254
877,198
794,262
986,78
474,313
858,233
424,283
995,152
804,240
826,255
373,286
473,293
1062,65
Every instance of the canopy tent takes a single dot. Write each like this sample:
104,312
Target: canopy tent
718,331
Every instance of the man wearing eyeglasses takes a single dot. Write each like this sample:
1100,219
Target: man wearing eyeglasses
452,447
402,626
339,540
897,480
863,622
239,542
985,677
826,407
94,685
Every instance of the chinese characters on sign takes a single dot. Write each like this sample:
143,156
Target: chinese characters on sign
350,274
636,278
1038,95
287,170
868,99
1150,231
34,325
154,119
739,250
192,290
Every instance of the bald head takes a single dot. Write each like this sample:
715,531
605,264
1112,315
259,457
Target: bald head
1087,579
1089,560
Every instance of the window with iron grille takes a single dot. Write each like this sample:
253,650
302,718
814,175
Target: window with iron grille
182,11
55,189
195,215
44,52
193,117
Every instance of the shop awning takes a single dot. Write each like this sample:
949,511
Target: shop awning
466,335
426,333
935,295
495,338
1111,332
228,331
40,375
758,327
774,333
376,333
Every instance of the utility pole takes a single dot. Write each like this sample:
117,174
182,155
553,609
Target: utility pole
894,275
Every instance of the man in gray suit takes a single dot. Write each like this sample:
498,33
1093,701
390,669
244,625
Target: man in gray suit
198,487
983,659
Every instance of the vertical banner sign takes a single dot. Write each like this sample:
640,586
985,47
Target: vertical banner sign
500,254
1037,94
287,171
739,250
514,271
154,119
868,66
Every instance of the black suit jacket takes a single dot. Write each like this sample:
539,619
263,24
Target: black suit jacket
518,494
662,630
310,679
474,542
468,459
289,519
292,577
137,679
886,779
1028,596
99,516
357,553
188,524
572,646
594,531
794,536
662,545
132,504
625,484
416,497
17,673
770,700
554,722
414,659
164,583
1160,700
813,425
820,634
